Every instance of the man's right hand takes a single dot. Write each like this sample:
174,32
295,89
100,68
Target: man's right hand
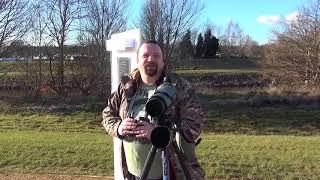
126,127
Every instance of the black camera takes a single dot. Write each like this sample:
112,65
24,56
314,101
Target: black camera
161,100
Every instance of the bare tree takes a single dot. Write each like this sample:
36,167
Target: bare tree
98,19
232,40
34,69
60,15
14,21
103,18
167,20
296,51
249,48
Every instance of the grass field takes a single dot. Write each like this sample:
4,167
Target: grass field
248,134
231,156
260,157
256,143
56,152
206,72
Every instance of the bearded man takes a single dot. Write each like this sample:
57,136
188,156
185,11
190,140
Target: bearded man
124,118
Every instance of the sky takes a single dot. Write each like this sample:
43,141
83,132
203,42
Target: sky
257,18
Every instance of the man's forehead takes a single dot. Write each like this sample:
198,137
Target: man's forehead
149,47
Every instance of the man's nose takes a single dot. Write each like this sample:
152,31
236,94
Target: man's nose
150,58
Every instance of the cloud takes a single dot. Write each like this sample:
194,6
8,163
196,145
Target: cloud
268,19
292,17
274,19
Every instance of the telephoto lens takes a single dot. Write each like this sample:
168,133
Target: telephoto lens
161,100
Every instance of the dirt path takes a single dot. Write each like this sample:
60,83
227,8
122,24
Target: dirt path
16,176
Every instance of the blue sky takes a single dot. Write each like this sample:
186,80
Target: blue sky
256,18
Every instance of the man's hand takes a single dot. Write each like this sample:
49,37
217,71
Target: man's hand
127,126
143,129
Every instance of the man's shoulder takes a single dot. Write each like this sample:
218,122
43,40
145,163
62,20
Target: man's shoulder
176,78
179,81
130,78
125,79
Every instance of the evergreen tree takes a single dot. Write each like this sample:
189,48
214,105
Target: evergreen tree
207,44
214,44
199,47
185,46
211,44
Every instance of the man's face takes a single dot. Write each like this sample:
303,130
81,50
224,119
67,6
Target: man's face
150,60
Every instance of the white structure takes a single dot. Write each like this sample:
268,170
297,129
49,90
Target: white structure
123,47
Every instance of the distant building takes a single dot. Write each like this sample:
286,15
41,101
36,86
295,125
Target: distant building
9,59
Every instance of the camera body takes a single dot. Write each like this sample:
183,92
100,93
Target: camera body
156,107
161,100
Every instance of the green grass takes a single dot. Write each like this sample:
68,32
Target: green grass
62,122
230,63
56,152
13,74
222,156
260,157
206,93
244,139
207,72
279,120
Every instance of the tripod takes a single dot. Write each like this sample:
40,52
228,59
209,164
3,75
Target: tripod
160,139
160,136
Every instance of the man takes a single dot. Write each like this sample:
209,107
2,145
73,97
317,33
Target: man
124,117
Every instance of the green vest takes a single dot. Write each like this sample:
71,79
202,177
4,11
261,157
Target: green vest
136,151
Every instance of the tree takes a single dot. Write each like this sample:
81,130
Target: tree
167,20
34,69
207,47
14,24
250,49
211,44
14,21
98,19
60,15
186,47
199,47
214,43
232,40
296,51
103,18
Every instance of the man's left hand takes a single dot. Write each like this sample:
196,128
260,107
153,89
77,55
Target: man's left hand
143,129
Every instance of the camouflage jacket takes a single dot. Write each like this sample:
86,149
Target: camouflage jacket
185,112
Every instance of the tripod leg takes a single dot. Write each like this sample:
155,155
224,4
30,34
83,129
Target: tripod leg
165,164
181,160
148,163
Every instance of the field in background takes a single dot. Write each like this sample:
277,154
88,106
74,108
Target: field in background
74,143
249,131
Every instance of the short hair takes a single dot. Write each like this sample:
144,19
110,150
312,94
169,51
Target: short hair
150,41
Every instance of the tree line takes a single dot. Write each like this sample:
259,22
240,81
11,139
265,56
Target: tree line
53,28
50,28
233,43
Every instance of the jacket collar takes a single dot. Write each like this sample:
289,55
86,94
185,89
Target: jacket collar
131,82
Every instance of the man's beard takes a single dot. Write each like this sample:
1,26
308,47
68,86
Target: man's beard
151,69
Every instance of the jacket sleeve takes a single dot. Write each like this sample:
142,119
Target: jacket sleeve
190,114
111,119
